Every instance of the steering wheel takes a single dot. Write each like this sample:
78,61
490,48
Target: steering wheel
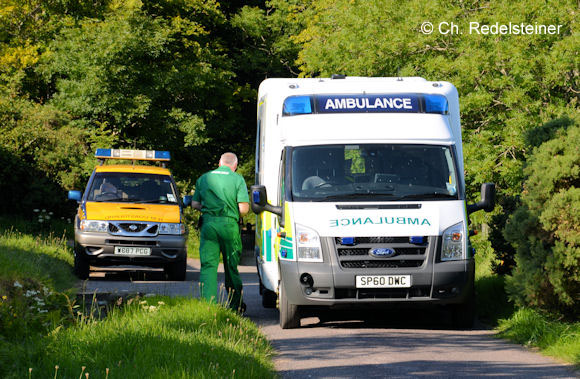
322,185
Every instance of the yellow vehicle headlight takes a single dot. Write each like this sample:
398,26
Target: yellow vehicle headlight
170,228
94,226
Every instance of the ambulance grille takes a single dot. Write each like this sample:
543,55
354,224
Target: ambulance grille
357,253
380,264
365,251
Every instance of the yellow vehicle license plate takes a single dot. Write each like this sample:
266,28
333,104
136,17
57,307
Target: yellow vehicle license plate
124,250
383,281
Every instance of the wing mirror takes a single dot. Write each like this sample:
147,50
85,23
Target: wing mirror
260,201
75,195
487,202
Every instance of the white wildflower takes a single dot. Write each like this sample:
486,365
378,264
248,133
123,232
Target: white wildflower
17,284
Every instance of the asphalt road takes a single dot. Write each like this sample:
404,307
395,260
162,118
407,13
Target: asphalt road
395,344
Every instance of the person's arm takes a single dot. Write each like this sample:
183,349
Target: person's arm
244,208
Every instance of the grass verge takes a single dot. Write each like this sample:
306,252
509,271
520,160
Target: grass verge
45,259
155,338
41,326
555,338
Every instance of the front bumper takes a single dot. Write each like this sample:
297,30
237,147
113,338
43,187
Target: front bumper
99,249
334,286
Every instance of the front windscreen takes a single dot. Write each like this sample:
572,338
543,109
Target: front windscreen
371,172
132,187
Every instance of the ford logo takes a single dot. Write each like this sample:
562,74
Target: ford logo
383,253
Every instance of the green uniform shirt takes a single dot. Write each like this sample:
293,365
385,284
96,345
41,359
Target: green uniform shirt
219,192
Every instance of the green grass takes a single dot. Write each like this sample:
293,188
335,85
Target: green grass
177,338
45,259
554,338
193,243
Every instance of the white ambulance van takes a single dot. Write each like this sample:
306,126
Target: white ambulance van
360,197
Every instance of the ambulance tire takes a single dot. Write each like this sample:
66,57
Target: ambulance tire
289,313
82,267
269,298
463,314
176,271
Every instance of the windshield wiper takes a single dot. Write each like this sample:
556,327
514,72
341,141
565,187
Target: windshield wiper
358,195
155,201
115,200
430,195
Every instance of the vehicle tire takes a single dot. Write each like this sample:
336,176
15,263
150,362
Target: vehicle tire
269,298
463,314
289,313
82,267
176,270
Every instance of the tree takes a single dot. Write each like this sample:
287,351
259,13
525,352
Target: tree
545,229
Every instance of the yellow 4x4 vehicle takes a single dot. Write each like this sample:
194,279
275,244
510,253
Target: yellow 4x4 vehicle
130,215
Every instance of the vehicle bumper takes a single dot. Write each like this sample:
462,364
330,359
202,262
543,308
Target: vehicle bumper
434,283
99,249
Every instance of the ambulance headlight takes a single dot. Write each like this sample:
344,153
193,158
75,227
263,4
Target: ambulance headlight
94,226
308,244
167,228
453,243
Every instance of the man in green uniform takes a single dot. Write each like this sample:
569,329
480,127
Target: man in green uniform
222,197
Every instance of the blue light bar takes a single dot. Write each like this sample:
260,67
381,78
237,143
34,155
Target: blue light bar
347,240
416,240
144,155
162,155
436,104
103,153
295,105
365,103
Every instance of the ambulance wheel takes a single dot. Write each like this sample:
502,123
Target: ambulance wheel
81,266
289,313
269,298
176,271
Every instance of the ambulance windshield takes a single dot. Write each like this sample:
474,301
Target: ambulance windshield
371,172
133,188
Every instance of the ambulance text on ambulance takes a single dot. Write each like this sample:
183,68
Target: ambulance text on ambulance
379,221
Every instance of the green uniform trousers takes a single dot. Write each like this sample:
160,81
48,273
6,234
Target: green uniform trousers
220,234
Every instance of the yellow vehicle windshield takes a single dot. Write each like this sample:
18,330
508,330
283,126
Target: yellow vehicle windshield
132,187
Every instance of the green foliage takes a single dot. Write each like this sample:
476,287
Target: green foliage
506,84
545,230
555,338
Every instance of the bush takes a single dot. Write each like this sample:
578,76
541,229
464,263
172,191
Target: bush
545,229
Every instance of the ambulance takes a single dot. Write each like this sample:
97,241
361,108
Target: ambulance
130,215
360,197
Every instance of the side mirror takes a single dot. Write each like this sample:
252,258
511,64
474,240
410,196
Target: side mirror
75,195
260,201
487,202
187,200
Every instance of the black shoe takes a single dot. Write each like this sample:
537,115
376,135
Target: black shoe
242,309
